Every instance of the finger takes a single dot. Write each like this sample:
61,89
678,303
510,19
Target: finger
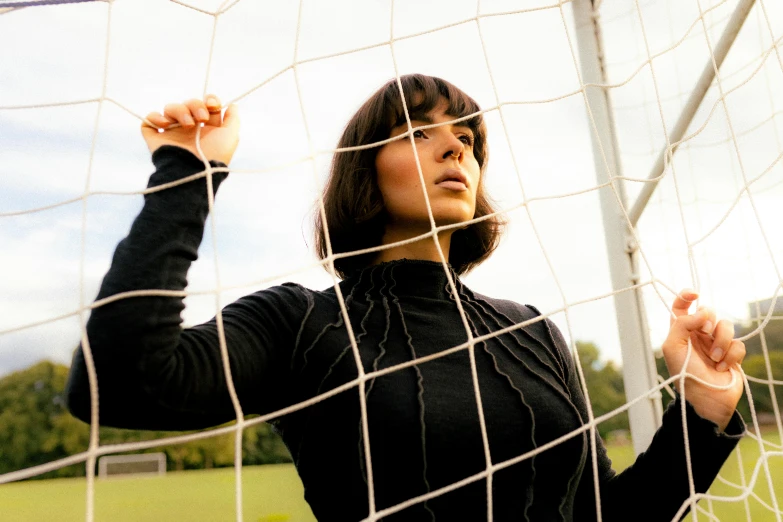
231,117
213,102
683,302
214,107
198,109
709,326
685,325
157,120
734,356
722,337
179,112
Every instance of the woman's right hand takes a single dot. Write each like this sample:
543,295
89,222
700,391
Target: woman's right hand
219,135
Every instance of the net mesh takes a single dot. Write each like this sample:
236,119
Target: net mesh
708,226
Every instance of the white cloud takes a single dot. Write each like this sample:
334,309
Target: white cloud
159,52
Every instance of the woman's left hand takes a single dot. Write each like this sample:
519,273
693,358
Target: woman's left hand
714,352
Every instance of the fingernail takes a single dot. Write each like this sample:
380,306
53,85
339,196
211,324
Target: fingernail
708,327
717,354
188,120
721,366
689,294
202,114
212,101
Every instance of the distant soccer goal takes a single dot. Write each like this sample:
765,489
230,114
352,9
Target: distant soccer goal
137,464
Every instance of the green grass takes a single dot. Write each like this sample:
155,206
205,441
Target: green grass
727,511
731,511
274,494
270,493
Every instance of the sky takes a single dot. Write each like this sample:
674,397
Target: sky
526,62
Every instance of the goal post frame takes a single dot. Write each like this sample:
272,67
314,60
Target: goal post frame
720,50
639,372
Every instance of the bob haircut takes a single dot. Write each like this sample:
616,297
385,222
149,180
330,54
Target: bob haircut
355,211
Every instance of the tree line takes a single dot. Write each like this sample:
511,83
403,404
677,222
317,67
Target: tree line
36,427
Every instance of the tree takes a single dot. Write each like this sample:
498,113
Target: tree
755,366
31,424
262,445
36,428
605,386
773,335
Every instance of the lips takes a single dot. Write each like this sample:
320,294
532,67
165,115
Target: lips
452,179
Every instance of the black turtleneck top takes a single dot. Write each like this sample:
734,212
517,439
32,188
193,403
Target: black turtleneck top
288,344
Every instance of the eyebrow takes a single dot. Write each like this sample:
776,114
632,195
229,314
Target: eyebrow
424,118
427,119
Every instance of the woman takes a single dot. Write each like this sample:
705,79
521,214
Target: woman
288,344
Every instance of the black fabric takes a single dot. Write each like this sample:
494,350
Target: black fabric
288,344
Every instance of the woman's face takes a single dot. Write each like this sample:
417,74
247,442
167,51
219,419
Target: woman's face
451,173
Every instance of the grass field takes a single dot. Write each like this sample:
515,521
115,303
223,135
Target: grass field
274,494
623,456
271,493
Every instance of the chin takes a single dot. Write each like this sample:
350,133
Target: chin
446,219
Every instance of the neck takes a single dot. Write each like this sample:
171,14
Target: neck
424,249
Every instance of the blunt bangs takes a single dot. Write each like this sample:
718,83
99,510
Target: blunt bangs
422,95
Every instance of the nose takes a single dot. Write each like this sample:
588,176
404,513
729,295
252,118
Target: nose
453,148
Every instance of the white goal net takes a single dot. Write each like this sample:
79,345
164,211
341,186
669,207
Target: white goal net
704,192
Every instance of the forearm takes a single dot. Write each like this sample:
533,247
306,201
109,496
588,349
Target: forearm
164,238
656,485
132,338
664,465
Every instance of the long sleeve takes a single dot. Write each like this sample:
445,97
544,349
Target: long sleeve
152,374
656,485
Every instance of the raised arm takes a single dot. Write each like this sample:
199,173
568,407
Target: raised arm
152,374
656,485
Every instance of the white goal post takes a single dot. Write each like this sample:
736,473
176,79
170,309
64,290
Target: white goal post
640,374
135,464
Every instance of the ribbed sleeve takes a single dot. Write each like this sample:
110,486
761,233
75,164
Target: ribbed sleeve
152,373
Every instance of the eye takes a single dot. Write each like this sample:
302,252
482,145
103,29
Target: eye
467,139
418,133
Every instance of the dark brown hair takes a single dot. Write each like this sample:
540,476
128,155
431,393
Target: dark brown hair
355,211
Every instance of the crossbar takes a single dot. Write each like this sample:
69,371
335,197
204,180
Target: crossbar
711,68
